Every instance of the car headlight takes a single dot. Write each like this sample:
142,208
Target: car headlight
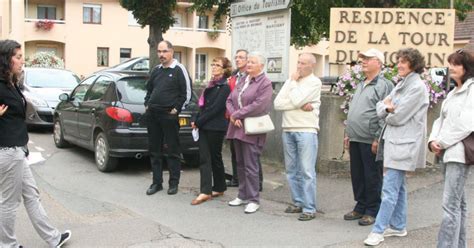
38,102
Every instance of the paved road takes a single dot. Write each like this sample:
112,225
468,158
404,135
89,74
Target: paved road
112,210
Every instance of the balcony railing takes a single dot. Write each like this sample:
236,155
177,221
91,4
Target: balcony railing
37,20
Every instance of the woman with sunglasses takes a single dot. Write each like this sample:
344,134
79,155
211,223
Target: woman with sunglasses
455,123
212,125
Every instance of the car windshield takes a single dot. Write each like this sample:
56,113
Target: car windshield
51,79
132,90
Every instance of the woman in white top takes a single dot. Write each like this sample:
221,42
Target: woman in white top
455,123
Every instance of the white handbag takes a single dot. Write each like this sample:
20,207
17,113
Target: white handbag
258,125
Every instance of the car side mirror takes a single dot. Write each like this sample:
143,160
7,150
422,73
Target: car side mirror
64,97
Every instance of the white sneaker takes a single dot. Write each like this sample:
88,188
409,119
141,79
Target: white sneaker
374,239
251,208
237,202
389,232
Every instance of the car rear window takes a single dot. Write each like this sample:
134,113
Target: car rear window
132,90
51,79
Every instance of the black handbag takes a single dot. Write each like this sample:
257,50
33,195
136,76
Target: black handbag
468,143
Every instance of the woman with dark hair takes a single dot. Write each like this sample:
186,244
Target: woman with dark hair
16,179
454,124
212,125
402,143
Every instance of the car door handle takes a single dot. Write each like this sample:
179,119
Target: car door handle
76,109
93,111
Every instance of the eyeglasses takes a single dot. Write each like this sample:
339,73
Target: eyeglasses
216,65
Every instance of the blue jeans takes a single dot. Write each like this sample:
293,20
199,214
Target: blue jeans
393,209
301,151
452,232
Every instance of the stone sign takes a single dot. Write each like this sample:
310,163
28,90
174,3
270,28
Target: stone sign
352,30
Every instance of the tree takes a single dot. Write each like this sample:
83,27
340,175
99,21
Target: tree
310,18
158,14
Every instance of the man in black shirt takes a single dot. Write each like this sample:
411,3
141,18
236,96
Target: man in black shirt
168,92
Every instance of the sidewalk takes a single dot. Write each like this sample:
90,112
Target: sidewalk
111,210
335,198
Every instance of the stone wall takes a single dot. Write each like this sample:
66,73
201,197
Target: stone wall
331,156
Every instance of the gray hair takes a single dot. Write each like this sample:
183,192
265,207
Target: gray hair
260,58
311,57
242,50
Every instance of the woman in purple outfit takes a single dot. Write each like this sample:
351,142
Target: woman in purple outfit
253,97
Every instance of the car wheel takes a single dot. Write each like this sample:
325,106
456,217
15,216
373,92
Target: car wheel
58,137
104,162
191,160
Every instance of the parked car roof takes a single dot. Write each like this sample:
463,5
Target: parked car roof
133,64
122,73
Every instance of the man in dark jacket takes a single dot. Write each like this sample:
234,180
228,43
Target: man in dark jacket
168,92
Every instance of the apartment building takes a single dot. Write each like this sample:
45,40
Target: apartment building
91,35
96,34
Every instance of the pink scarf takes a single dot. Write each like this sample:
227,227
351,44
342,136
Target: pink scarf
211,84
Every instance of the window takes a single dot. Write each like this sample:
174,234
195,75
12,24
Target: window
46,12
125,54
48,49
92,13
203,22
80,91
143,65
201,67
178,20
47,78
132,90
102,56
98,89
177,56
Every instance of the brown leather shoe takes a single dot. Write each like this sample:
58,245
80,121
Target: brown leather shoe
366,220
217,194
200,199
353,215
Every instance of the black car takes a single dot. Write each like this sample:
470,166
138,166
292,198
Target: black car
105,114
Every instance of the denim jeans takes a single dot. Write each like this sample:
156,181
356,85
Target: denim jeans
393,209
452,232
301,149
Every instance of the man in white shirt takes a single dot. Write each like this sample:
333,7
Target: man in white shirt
299,99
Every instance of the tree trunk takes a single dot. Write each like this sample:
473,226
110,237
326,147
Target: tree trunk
155,36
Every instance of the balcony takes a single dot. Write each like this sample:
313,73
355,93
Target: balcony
41,29
45,9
